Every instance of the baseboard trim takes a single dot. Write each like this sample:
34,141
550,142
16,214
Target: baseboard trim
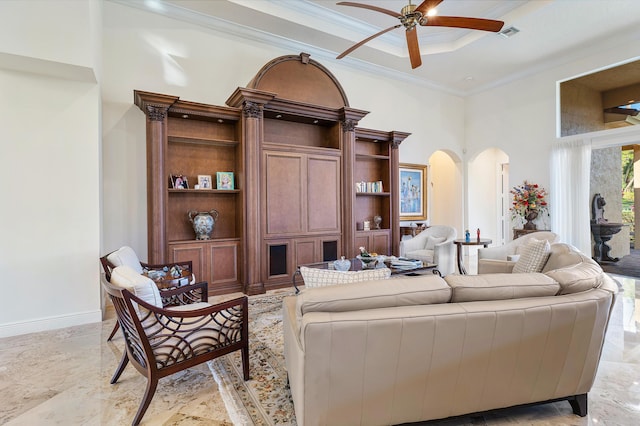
50,323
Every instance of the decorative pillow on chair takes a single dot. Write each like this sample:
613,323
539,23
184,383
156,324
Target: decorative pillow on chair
533,256
432,241
314,277
139,285
125,256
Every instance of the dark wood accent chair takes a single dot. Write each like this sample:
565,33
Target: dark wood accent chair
161,341
108,267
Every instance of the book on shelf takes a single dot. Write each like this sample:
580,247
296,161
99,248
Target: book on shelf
369,186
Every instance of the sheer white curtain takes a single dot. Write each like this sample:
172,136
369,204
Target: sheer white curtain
569,195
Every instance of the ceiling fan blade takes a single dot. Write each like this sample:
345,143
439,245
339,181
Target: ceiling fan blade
427,5
355,46
414,47
461,22
374,8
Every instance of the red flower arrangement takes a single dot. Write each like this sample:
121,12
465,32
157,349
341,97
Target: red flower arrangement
528,200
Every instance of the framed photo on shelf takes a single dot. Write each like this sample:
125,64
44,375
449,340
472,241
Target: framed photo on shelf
204,182
413,192
179,182
224,180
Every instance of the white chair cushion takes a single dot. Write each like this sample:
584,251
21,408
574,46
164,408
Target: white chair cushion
125,256
143,287
432,241
533,256
424,255
314,277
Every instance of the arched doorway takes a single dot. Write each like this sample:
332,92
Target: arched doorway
445,190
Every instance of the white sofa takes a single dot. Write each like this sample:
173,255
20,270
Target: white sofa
423,348
503,258
433,245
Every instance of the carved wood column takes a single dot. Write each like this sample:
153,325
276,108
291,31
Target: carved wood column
156,108
252,103
348,192
252,134
396,140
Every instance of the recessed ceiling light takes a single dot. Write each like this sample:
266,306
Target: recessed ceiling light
220,120
509,32
279,116
185,115
315,121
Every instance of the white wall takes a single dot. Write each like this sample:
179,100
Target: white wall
519,118
50,215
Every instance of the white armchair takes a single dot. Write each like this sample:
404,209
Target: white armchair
502,259
433,245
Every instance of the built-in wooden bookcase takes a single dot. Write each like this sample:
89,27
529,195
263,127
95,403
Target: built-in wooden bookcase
292,142
191,139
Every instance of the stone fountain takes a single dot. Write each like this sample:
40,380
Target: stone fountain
602,230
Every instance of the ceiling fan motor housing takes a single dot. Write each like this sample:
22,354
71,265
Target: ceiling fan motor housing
410,18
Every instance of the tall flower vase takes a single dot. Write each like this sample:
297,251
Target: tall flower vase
530,217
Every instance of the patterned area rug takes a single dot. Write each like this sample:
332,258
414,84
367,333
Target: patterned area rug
265,399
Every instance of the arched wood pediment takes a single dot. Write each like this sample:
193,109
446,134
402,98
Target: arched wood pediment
300,78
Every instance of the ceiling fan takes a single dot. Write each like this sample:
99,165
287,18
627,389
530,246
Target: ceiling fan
411,16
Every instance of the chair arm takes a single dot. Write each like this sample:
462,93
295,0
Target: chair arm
494,266
186,294
416,243
444,256
499,252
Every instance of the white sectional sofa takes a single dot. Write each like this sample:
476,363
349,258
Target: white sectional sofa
421,348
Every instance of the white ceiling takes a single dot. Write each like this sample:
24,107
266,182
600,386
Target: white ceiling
457,60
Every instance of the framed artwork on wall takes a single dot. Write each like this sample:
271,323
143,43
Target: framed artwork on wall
224,180
413,192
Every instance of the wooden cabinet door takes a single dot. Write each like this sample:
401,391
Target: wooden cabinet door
284,193
323,194
180,252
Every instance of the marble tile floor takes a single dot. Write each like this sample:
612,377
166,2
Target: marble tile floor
61,377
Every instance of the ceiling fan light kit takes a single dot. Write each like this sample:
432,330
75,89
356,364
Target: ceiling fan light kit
411,16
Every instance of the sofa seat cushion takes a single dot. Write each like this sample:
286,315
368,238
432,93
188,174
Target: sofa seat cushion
469,288
579,277
315,277
423,254
533,256
420,290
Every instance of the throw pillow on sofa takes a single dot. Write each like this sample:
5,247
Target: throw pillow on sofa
314,277
533,256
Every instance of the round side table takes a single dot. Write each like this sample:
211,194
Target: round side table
472,242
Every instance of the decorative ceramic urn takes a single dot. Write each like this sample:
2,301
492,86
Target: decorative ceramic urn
342,264
203,223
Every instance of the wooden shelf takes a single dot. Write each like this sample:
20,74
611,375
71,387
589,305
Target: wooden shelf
204,191
375,194
194,241
202,141
371,157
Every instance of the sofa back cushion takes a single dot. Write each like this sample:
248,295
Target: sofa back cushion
420,290
315,277
577,278
533,256
469,288
562,255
